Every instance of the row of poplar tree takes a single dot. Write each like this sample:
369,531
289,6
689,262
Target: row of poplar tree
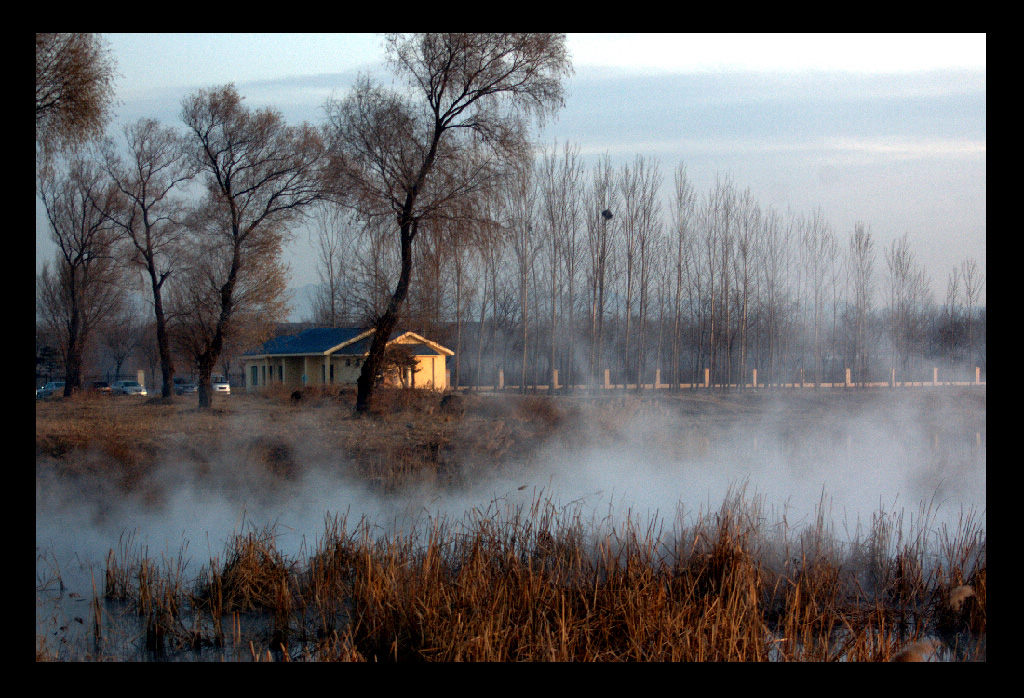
583,268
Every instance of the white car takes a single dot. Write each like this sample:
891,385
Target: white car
219,384
128,388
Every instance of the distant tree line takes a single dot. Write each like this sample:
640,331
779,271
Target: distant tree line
582,269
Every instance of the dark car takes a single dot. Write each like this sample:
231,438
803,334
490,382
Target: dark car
101,387
50,389
184,385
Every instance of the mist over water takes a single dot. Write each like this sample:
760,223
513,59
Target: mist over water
649,465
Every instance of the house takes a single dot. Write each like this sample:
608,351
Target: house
334,356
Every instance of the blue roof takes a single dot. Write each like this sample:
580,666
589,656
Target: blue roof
315,340
318,340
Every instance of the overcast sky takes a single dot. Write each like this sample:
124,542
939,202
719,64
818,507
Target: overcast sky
885,129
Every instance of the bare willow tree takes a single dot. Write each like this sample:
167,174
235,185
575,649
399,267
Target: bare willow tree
83,286
406,155
372,267
148,180
74,89
461,240
259,174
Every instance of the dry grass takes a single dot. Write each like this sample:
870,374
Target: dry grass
541,584
408,438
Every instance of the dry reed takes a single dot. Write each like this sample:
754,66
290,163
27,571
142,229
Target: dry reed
539,583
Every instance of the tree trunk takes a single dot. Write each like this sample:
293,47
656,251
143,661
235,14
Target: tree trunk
162,340
385,323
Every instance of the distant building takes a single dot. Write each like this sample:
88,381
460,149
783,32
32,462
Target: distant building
335,356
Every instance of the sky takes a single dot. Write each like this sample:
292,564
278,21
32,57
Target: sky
882,129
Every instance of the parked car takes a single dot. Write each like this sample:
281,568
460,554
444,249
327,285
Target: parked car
129,388
220,384
101,387
184,385
50,389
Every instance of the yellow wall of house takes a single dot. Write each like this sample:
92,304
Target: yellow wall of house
431,372
288,371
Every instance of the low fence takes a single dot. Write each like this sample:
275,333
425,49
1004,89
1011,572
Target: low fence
706,384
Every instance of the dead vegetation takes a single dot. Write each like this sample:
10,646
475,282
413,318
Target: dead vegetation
410,436
541,583
530,582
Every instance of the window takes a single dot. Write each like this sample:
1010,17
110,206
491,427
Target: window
280,373
255,375
263,374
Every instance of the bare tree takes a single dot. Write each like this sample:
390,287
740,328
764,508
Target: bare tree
336,230
406,158
490,250
973,282
82,288
74,89
259,174
861,282
427,298
639,222
460,239
373,266
682,219
949,331
748,241
201,329
148,182
602,200
560,181
519,212
909,295
121,334
818,249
